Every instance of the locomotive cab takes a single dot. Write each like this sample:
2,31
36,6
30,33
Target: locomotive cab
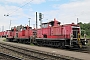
75,36
76,40
27,27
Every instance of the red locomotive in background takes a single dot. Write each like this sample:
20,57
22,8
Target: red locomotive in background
50,34
23,34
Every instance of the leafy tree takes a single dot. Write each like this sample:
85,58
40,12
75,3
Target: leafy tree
85,27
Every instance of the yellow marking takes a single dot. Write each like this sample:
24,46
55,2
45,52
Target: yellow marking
79,42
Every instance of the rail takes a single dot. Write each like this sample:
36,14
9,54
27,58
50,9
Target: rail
8,57
35,54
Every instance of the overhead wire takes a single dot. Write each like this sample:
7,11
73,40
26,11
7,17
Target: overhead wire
20,7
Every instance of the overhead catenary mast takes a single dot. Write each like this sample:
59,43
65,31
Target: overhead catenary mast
29,21
36,21
10,24
77,21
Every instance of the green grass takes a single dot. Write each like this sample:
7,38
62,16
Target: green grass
32,44
82,36
88,44
88,37
4,39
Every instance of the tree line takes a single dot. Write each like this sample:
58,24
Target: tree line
85,28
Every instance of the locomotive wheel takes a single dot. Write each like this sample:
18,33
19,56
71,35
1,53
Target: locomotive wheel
7,40
62,45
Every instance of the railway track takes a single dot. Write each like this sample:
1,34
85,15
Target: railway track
27,54
4,56
83,50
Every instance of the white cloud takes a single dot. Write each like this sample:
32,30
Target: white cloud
65,13
53,0
38,1
23,1
16,1
69,12
15,14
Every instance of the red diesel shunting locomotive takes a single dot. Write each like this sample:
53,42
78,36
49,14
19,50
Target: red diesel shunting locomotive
4,34
25,35
22,35
50,34
54,34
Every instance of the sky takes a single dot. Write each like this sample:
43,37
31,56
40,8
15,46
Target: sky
65,11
